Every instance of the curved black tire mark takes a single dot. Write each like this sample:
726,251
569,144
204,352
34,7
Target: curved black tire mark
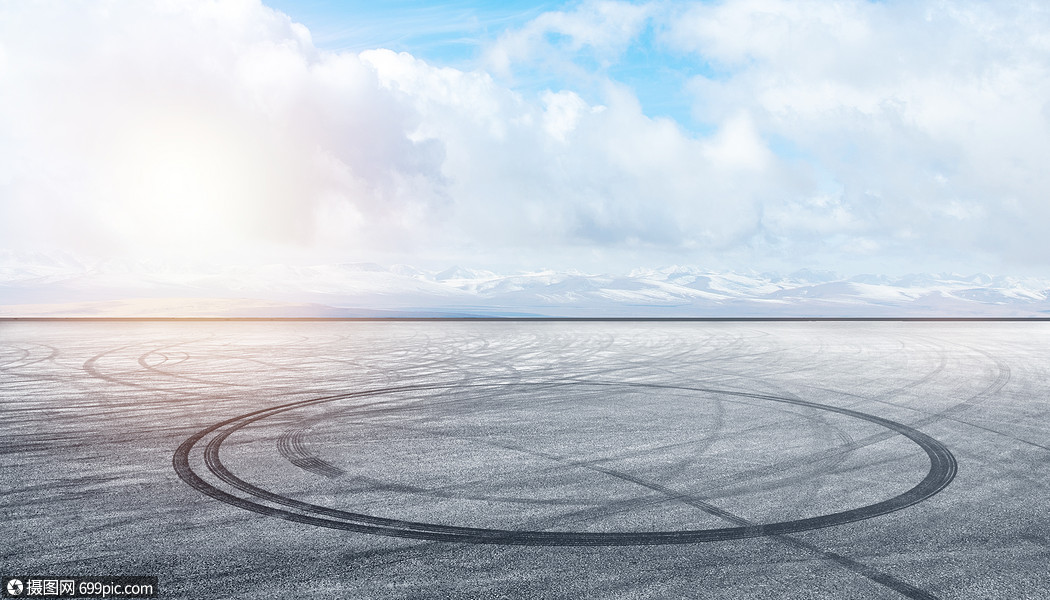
291,446
943,467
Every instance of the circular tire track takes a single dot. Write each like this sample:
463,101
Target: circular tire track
943,467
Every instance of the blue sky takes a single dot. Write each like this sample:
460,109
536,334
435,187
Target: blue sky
602,136
457,34
452,33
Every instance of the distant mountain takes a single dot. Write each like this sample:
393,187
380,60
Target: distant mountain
65,286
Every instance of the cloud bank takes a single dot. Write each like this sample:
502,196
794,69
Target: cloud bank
853,135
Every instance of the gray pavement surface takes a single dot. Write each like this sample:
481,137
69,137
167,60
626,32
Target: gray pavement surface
531,459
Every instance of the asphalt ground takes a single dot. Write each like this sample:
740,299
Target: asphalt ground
545,459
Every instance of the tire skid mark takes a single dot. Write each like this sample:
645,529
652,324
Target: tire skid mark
838,455
823,461
875,575
25,352
942,470
291,446
16,370
91,367
154,368
308,462
1002,378
455,402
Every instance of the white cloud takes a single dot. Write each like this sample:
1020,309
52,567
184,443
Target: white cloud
207,126
737,145
562,112
602,28
930,116
893,130
566,172
188,125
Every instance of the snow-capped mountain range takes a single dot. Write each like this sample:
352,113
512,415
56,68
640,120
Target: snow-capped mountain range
48,286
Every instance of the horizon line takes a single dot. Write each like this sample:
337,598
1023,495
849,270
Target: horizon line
522,319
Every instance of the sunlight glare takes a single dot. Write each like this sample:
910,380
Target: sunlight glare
185,183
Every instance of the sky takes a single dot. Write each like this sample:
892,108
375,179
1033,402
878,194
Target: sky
856,136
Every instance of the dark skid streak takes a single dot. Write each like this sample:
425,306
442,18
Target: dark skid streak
943,468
